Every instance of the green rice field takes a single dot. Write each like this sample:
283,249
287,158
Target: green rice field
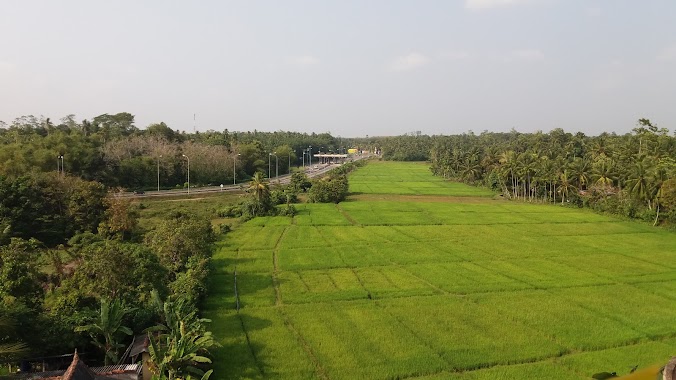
418,278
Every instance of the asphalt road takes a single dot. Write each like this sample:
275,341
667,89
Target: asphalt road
282,180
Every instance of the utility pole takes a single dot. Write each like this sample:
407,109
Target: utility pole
234,169
158,173
188,158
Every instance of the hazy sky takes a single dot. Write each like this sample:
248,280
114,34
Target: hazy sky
351,68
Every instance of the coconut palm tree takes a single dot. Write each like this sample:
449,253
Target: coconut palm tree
258,187
566,186
639,181
603,172
260,203
109,327
580,172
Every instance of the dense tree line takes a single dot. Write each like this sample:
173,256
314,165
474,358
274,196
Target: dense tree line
631,174
73,260
111,149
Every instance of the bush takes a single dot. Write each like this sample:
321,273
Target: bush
224,228
331,189
234,211
300,182
288,210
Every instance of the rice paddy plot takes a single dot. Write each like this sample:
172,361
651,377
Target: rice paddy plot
505,246
268,221
358,256
408,179
465,278
221,294
665,289
321,214
571,325
258,261
302,237
656,248
392,218
413,253
564,217
467,336
233,360
469,217
540,370
390,234
577,229
382,282
320,286
360,341
281,357
256,237
641,310
620,359
427,286
620,268
310,258
255,289
340,235
544,274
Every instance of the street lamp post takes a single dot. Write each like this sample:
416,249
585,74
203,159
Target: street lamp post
269,156
310,154
276,165
234,169
63,169
158,173
188,158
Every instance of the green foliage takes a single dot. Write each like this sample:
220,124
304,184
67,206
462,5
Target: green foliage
406,148
111,149
19,273
180,237
9,349
668,195
232,211
179,346
300,182
329,189
183,245
121,219
107,330
48,207
110,269
259,202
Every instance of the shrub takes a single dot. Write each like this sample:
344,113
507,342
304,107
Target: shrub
331,189
234,211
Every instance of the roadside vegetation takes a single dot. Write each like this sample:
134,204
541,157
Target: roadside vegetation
114,151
